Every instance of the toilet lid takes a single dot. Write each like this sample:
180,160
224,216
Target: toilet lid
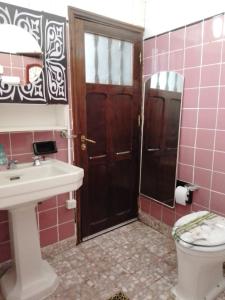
200,229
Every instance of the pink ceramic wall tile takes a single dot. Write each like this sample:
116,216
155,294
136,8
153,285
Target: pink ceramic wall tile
177,39
218,180
185,173
148,67
62,155
222,97
65,215
5,60
210,75
186,155
144,204
47,218
212,53
193,57
201,197
4,232
40,136
182,210
149,47
202,177
5,253
207,118
23,158
217,203
189,118
66,230
203,158
193,35
220,141
219,161
16,61
47,204
221,119
162,43
222,78
168,216
61,199
21,142
3,215
205,139
4,140
213,31
190,98
48,236
187,136
208,97
196,207
192,77
162,62
223,52
176,60
156,210
61,143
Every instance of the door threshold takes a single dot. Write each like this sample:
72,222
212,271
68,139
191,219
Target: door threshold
108,229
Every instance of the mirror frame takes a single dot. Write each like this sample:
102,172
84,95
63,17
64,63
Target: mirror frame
50,32
142,138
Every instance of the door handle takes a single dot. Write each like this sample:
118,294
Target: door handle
84,139
153,149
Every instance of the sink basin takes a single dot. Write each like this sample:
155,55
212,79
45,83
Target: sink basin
31,277
30,183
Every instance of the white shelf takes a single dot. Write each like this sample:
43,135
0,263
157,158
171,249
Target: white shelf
33,117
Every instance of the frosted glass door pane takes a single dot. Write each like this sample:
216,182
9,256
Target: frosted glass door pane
108,61
127,60
103,59
116,62
90,57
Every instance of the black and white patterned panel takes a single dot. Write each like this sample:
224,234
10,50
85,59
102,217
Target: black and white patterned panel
55,60
49,31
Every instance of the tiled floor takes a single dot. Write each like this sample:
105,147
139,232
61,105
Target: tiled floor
135,259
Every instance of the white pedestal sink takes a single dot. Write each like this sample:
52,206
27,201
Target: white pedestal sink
31,277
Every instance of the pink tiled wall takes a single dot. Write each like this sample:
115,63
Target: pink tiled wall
55,222
16,65
196,53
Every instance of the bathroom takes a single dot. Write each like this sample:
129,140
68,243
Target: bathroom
112,237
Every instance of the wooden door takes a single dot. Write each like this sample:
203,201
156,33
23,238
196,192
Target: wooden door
160,141
106,108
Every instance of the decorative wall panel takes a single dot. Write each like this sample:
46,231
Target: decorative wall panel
49,31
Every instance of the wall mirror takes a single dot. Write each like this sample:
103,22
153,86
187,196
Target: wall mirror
161,115
20,56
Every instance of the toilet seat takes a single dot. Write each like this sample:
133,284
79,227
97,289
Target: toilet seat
201,230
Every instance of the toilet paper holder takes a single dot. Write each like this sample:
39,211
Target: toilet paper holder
190,187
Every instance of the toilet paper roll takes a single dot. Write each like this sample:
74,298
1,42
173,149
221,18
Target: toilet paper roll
181,195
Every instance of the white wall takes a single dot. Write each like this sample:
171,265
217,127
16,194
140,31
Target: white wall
165,15
130,11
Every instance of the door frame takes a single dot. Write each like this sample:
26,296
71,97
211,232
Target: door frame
78,81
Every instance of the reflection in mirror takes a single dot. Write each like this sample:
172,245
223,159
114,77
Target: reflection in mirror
19,50
162,103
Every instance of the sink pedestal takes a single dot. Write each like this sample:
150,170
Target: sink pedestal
31,277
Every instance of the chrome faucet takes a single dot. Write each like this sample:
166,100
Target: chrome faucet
36,161
12,164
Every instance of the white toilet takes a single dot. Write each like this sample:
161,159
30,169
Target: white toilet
200,245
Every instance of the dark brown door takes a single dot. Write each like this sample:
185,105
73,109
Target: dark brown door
106,89
160,140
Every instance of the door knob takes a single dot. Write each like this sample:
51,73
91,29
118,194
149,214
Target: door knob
84,139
